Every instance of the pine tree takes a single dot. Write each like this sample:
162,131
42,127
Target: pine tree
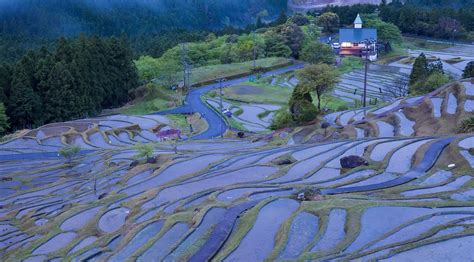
259,23
24,106
3,120
420,69
60,100
5,81
282,18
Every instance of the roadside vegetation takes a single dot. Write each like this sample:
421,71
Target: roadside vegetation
417,43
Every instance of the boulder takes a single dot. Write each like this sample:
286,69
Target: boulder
134,163
311,194
102,195
283,161
353,162
152,160
325,125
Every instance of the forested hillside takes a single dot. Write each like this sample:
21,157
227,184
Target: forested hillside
27,23
77,79
431,18
441,3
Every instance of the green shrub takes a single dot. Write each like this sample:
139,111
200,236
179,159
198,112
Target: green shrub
282,119
238,112
69,153
467,125
423,86
213,94
303,111
144,150
342,108
350,63
263,114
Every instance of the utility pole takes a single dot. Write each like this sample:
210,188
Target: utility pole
188,72
221,103
364,102
254,51
184,62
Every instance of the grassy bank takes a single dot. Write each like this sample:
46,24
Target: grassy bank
259,92
397,52
350,63
158,97
418,43
209,73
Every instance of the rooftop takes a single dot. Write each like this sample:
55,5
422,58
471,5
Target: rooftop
358,20
357,35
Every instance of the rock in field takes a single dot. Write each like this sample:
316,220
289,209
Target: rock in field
353,162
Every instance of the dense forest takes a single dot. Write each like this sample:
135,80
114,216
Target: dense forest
431,18
77,79
152,26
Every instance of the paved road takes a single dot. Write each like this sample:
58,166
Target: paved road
217,125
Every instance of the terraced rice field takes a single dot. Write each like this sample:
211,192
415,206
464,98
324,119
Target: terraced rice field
243,200
252,117
384,84
202,204
439,112
115,131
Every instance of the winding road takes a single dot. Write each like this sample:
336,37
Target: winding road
217,125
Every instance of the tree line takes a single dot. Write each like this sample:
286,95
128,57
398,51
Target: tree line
152,26
295,37
77,79
431,18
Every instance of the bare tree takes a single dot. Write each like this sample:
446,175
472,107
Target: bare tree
399,87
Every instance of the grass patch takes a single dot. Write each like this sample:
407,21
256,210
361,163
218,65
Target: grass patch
263,114
237,125
178,121
350,63
208,73
417,43
333,103
454,60
408,61
262,93
396,53
155,98
238,112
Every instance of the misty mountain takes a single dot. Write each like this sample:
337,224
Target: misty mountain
54,18
441,3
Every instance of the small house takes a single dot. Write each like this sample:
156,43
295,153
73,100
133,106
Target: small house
358,41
